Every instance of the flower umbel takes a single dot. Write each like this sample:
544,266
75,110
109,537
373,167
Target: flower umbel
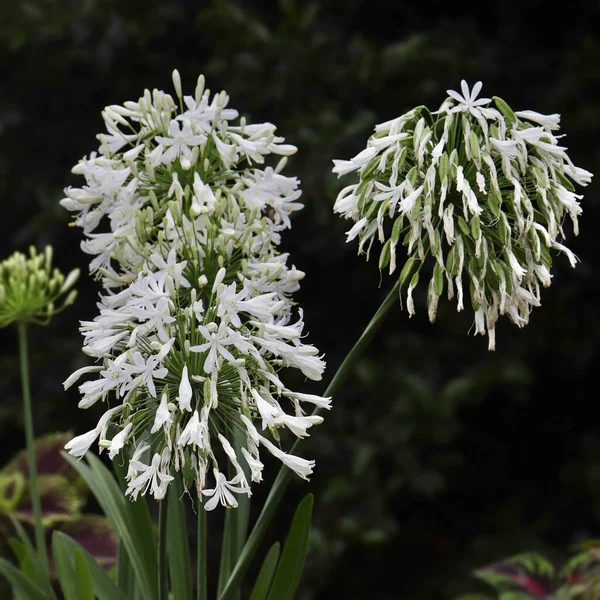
196,320
31,290
477,194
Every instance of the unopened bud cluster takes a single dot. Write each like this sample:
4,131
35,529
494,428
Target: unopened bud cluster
31,290
196,320
476,193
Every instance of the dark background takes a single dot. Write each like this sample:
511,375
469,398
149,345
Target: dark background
439,456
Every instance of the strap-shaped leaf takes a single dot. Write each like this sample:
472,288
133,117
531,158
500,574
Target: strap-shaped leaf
30,561
65,570
178,545
125,574
104,587
129,519
265,576
21,583
290,567
85,585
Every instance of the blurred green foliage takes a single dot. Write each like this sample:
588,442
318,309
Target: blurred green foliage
439,456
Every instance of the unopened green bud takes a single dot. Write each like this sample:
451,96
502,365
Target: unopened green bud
408,268
505,109
384,257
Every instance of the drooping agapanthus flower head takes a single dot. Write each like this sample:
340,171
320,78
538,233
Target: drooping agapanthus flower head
476,193
183,216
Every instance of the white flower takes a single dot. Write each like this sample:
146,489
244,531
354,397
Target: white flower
118,441
179,142
468,101
170,267
150,477
508,176
319,401
163,415
196,308
342,167
549,122
300,466
185,391
77,374
196,432
79,445
256,467
218,340
222,492
203,113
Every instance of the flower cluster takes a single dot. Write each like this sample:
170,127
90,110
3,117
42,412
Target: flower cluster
196,320
480,189
31,290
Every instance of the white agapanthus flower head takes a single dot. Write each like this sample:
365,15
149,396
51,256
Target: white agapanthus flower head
477,194
196,320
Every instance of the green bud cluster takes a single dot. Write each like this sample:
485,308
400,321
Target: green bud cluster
31,290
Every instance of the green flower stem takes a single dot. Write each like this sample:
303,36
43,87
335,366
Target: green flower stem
284,476
201,558
163,574
40,539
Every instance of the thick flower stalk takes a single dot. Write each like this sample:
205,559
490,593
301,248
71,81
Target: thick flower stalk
478,195
32,290
196,321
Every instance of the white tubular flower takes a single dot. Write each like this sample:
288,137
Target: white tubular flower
185,391
118,441
476,193
222,492
79,445
163,415
150,477
196,321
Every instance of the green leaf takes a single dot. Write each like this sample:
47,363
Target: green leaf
21,583
227,550
177,544
31,563
95,534
265,576
65,570
130,520
83,576
104,587
125,574
290,567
